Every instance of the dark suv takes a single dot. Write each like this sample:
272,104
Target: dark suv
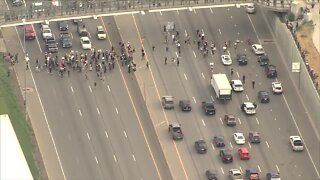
263,97
254,137
271,71
200,146
263,60
208,108
185,105
226,155
242,59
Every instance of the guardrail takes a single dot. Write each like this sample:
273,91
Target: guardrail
49,11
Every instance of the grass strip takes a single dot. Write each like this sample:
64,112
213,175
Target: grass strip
9,104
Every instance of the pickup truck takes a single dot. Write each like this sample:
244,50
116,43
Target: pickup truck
208,108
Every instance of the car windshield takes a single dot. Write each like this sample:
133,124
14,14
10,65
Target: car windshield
226,58
240,137
238,85
297,143
29,30
101,32
46,31
86,42
176,129
220,139
210,106
250,108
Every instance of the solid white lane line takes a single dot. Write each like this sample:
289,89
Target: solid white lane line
117,110
239,121
259,168
277,168
222,170
194,54
106,134
22,44
71,88
247,97
231,145
115,158
95,157
109,88
267,144
219,31
212,146
203,123
194,99
125,134
90,89
249,144
134,158
254,29
203,76
88,135
37,40
185,76
98,111
257,121
80,112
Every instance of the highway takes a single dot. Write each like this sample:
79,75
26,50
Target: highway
275,121
99,132
105,132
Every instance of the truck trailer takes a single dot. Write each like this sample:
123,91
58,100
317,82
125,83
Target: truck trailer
221,86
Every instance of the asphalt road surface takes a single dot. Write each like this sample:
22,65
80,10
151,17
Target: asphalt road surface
98,132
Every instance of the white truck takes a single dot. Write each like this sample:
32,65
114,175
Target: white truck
221,86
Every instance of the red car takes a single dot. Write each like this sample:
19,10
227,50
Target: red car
243,153
29,33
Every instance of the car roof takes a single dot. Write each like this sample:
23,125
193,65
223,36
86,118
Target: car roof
230,115
244,149
201,141
236,81
238,134
295,138
257,45
175,125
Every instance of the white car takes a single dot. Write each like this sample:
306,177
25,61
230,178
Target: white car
250,8
257,49
85,43
248,108
101,33
239,138
236,85
226,60
276,88
46,32
296,143
235,174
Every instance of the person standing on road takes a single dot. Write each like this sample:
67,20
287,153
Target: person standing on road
253,83
231,72
153,47
165,60
244,79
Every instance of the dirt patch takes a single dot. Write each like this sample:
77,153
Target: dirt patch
312,57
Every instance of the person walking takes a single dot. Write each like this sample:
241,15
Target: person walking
153,47
95,84
244,79
231,72
165,60
147,64
253,83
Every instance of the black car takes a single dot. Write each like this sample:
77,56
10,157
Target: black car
263,60
185,105
254,137
271,71
63,25
211,175
51,45
226,155
201,146
208,108
242,59
65,40
218,141
263,97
